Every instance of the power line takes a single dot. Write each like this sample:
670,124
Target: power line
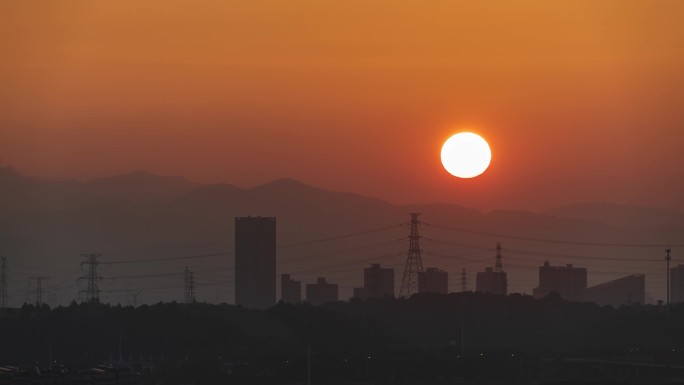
371,231
530,267
572,256
466,245
57,299
554,241
560,255
166,258
219,283
316,256
164,275
161,275
361,249
347,263
591,264
349,250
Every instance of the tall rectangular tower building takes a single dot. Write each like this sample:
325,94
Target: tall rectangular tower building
255,261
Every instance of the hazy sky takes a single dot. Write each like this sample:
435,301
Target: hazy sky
580,100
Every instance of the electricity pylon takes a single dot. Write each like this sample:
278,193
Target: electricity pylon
414,263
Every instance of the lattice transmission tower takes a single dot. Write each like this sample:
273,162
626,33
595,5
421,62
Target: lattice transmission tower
93,291
414,263
189,286
39,289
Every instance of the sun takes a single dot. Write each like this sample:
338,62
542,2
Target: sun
466,155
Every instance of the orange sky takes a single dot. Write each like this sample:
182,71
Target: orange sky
580,100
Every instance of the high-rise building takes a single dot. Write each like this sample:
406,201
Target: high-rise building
290,290
255,261
568,281
493,280
677,284
321,292
378,282
433,280
623,291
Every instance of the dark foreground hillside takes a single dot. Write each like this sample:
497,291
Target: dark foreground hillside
512,339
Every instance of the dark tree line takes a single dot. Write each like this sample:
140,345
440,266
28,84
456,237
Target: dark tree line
386,340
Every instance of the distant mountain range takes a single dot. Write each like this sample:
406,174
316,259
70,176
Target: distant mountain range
141,187
45,225
619,214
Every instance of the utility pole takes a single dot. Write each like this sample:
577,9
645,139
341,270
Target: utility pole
667,263
464,281
93,291
3,284
414,263
189,286
39,290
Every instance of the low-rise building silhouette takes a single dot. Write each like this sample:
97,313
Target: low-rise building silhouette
677,284
290,290
493,280
378,282
490,281
433,280
622,291
321,292
568,281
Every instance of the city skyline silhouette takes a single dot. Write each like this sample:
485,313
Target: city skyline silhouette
341,192
455,239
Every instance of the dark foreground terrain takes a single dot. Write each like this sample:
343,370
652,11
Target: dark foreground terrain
465,338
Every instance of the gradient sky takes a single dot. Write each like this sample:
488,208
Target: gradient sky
580,100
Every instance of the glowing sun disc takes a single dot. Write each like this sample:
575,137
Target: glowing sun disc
466,155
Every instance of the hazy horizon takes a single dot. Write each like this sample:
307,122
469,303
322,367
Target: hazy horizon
483,209
149,218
